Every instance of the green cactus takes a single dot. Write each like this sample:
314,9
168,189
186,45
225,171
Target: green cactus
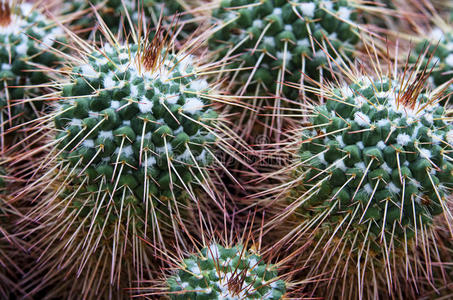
129,127
286,35
226,273
440,45
25,35
135,138
378,155
112,12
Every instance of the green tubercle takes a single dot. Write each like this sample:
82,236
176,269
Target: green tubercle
225,273
380,159
289,33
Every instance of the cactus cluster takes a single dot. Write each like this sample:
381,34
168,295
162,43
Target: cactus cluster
226,273
25,35
280,35
138,144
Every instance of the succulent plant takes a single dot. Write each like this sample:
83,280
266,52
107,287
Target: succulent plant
135,139
25,36
370,179
438,50
279,39
113,13
225,273
380,153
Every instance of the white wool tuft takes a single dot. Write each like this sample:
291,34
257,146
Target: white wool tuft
449,137
403,139
344,13
360,145
381,145
340,165
308,9
89,143
362,119
149,161
360,165
393,188
199,85
145,105
193,105
109,83
368,189
115,104
425,153
386,168
106,135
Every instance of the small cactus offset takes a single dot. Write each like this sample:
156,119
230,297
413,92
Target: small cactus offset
225,273
278,37
25,36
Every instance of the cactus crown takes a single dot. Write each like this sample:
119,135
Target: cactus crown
134,118
283,33
226,273
377,152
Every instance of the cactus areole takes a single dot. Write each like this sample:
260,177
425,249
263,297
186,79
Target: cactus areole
134,118
379,152
225,273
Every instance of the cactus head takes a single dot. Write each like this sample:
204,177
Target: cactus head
25,34
135,137
135,119
278,37
379,151
225,273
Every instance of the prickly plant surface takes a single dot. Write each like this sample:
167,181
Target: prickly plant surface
138,129
437,51
113,11
226,273
378,153
277,37
25,35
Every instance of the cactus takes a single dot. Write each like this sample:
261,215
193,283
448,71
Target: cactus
371,176
136,136
439,46
278,37
26,35
375,143
225,273
112,12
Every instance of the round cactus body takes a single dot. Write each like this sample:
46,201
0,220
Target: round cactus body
25,35
440,46
226,273
123,126
279,35
379,156
135,138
